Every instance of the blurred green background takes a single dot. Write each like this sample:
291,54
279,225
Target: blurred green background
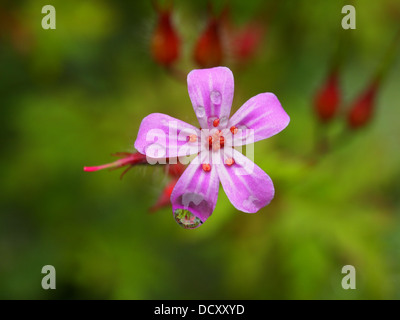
72,96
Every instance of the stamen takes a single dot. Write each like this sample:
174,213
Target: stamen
234,129
192,138
221,141
206,167
216,122
210,141
229,161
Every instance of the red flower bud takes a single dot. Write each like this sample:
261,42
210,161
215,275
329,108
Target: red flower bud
164,199
175,170
208,50
246,41
362,109
165,43
327,98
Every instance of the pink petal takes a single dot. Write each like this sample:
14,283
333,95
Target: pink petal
263,115
161,136
211,93
196,190
247,186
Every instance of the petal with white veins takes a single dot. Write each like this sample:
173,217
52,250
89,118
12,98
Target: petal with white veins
196,190
161,136
211,93
247,186
259,118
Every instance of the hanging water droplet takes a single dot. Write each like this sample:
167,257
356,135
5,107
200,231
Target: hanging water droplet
200,112
215,97
186,219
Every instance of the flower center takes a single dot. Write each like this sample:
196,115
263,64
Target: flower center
216,141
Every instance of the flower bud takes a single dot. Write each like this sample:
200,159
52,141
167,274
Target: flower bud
362,109
246,41
327,99
208,50
165,43
164,199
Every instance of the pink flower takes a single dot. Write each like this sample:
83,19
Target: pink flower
214,146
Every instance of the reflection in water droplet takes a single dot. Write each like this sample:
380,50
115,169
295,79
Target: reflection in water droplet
200,112
186,219
215,97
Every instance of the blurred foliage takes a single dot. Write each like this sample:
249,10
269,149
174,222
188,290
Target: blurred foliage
71,96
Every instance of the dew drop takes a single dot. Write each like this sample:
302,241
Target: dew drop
186,219
223,122
200,112
215,97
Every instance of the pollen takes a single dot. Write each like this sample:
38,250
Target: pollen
229,161
234,129
192,138
206,167
216,123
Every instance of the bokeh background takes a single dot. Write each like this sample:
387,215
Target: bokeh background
72,96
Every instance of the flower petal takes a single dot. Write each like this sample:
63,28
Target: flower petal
263,115
211,93
196,190
247,186
161,136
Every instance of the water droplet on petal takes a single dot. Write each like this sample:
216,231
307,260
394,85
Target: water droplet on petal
223,122
186,219
215,97
251,203
241,127
200,112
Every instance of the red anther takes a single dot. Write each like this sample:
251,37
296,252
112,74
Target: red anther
221,141
206,167
210,141
234,129
192,138
229,161
216,123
